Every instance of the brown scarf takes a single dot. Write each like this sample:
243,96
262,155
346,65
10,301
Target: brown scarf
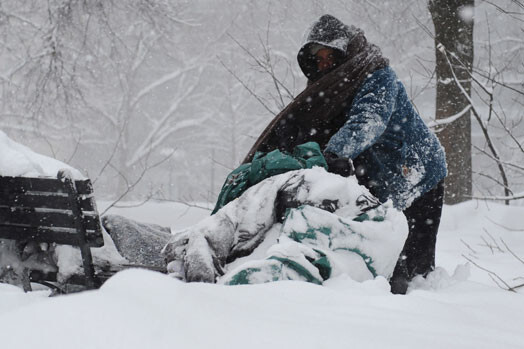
317,113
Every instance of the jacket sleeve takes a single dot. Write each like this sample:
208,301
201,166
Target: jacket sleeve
368,115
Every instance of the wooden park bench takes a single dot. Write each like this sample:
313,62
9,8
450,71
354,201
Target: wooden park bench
60,211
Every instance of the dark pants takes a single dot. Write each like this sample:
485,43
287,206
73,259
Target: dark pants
418,255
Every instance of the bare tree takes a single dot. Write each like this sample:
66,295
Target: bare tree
88,71
453,21
501,137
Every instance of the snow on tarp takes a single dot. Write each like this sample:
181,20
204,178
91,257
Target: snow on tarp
315,244
327,206
18,160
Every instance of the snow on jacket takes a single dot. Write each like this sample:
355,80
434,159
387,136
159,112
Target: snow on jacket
390,144
396,156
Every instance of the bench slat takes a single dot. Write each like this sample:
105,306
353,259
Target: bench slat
57,219
24,184
35,200
40,234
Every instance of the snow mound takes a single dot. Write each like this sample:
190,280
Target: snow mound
142,309
440,279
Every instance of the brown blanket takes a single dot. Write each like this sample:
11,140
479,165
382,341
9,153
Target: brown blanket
316,114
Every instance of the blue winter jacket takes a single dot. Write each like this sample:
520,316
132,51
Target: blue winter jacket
402,159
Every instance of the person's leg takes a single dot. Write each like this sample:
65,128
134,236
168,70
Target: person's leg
139,243
418,254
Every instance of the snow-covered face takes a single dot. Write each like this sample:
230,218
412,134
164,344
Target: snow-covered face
325,58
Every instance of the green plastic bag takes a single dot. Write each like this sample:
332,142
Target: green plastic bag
265,165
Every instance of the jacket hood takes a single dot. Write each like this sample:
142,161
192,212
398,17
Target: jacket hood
326,31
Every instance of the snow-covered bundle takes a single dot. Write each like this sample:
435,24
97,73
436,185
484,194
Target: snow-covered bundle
330,225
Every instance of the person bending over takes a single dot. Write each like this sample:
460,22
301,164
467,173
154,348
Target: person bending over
358,111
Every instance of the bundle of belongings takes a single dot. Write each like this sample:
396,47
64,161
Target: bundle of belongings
280,217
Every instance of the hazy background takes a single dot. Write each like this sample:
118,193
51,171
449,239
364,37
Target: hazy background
162,99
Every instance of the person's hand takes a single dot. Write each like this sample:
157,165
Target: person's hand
338,165
189,257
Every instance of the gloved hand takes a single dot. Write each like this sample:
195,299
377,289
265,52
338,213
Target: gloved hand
198,253
338,165
190,258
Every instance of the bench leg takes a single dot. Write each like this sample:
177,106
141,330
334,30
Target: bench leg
89,270
74,200
26,282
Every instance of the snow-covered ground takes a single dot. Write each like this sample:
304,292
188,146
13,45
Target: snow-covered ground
459,306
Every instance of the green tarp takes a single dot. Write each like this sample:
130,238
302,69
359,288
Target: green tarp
308,254
265,165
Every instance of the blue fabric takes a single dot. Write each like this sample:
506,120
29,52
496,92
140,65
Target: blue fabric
403,158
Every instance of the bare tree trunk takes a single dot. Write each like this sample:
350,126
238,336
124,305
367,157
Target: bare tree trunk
453,23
